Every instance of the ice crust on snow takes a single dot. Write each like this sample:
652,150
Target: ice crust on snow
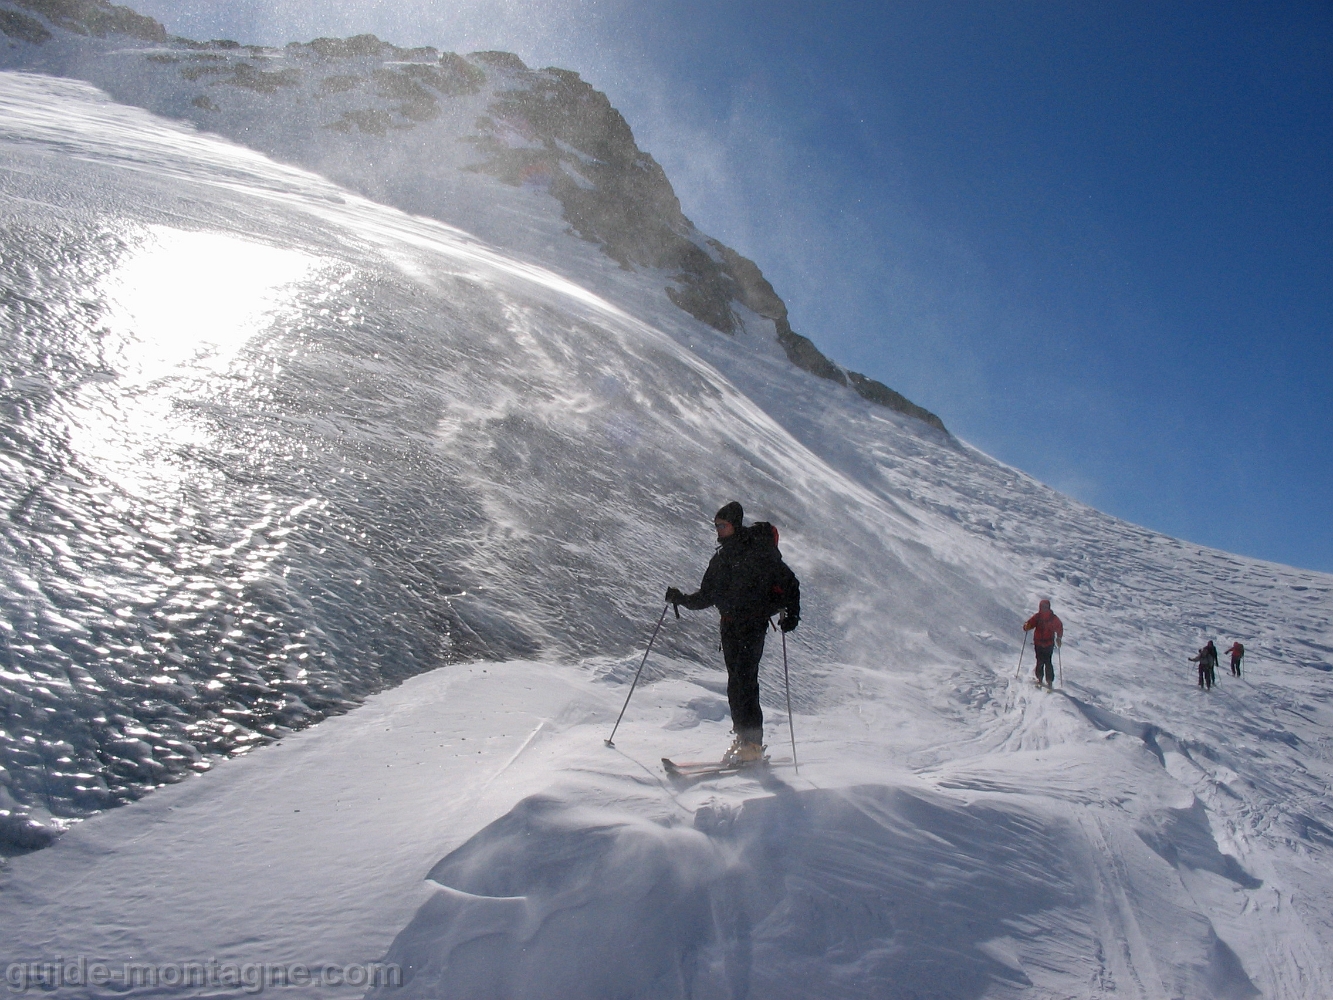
429,449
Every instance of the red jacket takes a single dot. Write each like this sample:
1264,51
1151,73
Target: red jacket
1045,625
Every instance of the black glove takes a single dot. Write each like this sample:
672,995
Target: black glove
789,620
674,596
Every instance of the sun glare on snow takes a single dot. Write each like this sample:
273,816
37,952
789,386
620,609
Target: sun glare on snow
178,313
192,300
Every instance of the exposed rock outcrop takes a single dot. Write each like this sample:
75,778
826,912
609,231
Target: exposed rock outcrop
95,17
553,129
23,27
413,81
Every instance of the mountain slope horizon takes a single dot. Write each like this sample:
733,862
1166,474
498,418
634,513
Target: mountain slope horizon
545,128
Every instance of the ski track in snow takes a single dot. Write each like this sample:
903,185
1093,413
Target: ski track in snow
552,445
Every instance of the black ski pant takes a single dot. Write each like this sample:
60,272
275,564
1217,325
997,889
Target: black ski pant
1044,654
1235,666
742,648
1207,678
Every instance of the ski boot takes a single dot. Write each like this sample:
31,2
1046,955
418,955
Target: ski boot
743,752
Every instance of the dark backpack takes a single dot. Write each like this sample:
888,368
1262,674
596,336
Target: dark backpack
762,531
782,582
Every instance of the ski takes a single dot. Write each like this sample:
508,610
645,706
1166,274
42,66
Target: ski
695,769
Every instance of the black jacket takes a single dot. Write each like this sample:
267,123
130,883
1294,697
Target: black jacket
747,580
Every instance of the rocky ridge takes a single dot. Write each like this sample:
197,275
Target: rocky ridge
97,18
543,128
557,126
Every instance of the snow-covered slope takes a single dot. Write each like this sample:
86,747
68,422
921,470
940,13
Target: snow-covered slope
426,132
270,446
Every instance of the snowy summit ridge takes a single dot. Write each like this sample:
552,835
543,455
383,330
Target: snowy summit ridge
349,435
358,102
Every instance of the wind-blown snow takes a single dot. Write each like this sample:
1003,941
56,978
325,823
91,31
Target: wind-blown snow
377,445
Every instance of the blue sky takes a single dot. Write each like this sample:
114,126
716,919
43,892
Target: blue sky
1096,238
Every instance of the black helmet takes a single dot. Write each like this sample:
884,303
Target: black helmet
732,512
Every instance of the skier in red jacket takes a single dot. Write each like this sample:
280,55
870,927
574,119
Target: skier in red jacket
1237,652
1047,633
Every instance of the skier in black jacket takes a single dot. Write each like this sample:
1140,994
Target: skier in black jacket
1207,661
748,583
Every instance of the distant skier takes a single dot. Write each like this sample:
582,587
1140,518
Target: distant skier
1207,661
1047,633
1237,652
748,583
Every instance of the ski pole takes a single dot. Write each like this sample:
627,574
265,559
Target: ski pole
1060,652
787,683
1018,671
660,620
